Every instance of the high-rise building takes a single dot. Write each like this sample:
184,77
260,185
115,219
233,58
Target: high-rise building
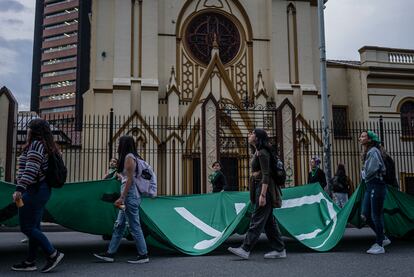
61,46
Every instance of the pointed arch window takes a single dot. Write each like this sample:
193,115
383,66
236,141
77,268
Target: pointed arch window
407,118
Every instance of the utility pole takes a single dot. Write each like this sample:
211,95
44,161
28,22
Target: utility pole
324,93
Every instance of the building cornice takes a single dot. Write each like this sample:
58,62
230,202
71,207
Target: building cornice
378,48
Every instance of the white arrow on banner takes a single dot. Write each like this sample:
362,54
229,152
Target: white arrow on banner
312,199
204,227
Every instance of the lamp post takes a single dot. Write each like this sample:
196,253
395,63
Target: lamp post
324,93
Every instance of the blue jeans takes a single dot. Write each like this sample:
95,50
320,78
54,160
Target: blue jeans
340,198
30,216
131,214
373,207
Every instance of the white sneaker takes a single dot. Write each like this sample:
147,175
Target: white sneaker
275,254
239,252
376,249
386,242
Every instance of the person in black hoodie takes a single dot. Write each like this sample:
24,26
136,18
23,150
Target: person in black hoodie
217,178
316,175
340,186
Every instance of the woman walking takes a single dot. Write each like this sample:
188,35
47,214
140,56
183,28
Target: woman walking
265,196
32,193
373,203
129,203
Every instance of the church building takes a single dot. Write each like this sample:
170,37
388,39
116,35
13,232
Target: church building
221,68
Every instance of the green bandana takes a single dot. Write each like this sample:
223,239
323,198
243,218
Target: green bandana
212,177
373,136
314,171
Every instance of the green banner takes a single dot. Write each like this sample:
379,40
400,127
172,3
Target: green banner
197,224
309,215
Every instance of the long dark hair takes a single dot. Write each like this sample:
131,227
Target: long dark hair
262,141
125,147
40,130
340,170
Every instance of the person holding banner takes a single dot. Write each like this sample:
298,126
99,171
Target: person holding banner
128,204
265,195
373,202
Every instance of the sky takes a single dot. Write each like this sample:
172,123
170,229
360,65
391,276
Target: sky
349,25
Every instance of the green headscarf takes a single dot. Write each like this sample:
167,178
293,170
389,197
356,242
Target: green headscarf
373,136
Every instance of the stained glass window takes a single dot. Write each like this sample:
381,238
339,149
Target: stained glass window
200,34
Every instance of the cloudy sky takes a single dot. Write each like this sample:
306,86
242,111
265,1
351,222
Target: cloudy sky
350,24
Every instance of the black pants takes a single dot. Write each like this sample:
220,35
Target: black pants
262,218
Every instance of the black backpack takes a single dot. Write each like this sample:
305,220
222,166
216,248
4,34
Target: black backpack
56,172
277,169
389,177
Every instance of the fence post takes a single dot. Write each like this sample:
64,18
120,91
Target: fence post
381,127
111,133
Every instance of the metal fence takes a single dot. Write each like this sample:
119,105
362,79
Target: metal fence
235,152
345,148
174,149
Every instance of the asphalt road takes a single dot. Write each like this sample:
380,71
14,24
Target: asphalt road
347,259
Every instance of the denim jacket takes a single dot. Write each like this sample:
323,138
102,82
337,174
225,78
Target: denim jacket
374,166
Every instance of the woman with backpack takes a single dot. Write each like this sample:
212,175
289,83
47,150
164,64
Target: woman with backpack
33,192
375,189
128,204
265,195
340,186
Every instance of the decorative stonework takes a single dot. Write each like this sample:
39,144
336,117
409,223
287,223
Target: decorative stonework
288,143
259,87
211,133
172,83
209,147
213,4
187,78
241,77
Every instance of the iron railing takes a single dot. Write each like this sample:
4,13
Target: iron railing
347,150
174,149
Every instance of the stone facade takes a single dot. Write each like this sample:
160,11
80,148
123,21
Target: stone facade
166,57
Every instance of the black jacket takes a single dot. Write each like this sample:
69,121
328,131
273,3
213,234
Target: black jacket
340,184
319,177
219,182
